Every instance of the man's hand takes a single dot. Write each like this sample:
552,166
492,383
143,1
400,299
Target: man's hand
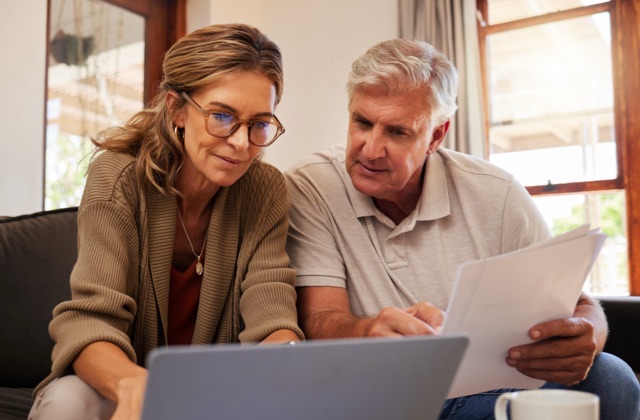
563,352
325,312
420,319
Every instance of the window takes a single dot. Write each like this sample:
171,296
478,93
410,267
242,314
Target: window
557,75
101,70
95,80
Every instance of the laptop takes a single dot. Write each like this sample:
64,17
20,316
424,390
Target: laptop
378,378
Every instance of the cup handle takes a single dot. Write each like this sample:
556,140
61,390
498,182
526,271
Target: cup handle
500,409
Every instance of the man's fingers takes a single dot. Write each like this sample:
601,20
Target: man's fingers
572,363
561,360
567,327
555,348
566,378
393,321
428,313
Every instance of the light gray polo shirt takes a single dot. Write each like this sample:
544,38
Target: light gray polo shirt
468,209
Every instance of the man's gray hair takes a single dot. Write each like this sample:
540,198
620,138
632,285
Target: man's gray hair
401,65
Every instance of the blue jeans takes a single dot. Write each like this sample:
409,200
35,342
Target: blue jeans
610,378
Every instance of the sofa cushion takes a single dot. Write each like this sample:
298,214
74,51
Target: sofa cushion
15,403
37,254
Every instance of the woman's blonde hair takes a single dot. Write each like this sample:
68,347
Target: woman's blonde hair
194,61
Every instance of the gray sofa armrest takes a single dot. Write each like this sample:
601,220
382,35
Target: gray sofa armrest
37,254
623,315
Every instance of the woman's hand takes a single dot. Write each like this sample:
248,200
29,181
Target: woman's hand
109,371
130,394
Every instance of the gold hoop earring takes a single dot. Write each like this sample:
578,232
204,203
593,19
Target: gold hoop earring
176,131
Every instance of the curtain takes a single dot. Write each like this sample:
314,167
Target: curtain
450,26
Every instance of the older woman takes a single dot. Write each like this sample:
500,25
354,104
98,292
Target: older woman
182,229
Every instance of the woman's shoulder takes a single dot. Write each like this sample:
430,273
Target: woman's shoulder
262,197
111,176
111,164
261,188
262,174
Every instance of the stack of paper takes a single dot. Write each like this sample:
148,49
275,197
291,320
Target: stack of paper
497,300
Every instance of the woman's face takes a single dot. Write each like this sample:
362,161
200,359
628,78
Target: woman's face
213,162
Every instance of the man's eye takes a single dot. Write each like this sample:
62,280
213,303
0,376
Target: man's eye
362,122
397,132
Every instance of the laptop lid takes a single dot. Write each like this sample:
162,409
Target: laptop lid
403,378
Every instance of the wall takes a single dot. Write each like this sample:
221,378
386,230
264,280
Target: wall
22,83
319,41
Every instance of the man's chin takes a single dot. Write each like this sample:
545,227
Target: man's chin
365,186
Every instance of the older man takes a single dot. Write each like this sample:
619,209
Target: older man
379,228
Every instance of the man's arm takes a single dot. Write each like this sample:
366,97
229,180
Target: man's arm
324,312
565,348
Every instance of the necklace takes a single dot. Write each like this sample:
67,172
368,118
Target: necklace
199,266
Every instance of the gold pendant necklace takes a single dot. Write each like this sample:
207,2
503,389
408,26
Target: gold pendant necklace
199,266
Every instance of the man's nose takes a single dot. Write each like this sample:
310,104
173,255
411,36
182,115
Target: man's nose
374,146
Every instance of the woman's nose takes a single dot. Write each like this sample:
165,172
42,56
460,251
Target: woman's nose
240,138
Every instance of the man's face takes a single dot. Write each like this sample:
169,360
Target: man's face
390,136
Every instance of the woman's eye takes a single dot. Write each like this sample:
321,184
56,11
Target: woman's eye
260,124
221,117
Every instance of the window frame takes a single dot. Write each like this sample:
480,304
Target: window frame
165,23
625,36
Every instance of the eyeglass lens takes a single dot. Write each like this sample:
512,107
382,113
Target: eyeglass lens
260,132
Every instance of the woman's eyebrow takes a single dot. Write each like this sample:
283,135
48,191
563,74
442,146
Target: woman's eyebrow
233,111
222,105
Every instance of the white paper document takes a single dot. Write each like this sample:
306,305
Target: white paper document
497,300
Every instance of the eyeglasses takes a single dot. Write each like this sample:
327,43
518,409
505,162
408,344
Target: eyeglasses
261,132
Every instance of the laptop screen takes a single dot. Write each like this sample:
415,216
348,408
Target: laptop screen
402,378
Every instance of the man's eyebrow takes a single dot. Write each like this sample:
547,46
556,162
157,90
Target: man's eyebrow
400,127
357,115
390,127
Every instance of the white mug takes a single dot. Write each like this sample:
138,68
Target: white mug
548,404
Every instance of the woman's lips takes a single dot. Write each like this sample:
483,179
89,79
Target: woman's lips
228,162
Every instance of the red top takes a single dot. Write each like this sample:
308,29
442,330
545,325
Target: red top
184,295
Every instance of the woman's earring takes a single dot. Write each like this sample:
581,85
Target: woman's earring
176,130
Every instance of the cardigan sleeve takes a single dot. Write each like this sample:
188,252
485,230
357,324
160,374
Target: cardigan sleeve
103,279
268,296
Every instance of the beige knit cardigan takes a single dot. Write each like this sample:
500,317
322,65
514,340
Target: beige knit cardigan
120,283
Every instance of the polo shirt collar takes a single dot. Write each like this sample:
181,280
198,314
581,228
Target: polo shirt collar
434,201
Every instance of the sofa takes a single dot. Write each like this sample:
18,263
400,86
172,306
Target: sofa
37,253
623,315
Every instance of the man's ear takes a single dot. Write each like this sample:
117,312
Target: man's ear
171,99
437,137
